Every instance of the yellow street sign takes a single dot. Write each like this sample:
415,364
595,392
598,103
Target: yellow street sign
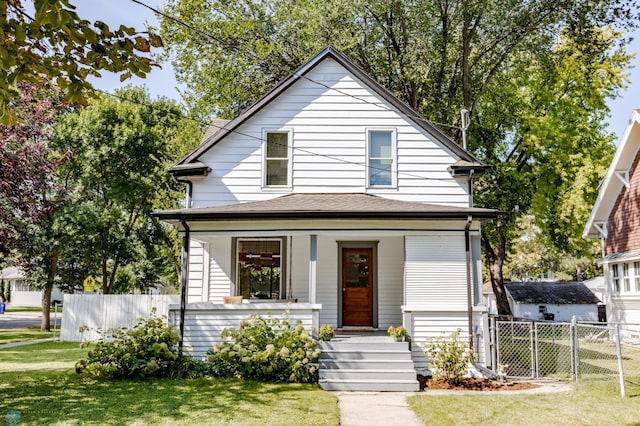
89,283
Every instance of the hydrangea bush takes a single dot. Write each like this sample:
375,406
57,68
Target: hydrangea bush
267,349
148,349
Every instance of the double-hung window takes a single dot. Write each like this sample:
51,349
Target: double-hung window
636,269
276,163
626,278
615,275
381,158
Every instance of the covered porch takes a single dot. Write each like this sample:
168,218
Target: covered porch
355,261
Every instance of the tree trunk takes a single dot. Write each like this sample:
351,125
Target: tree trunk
496,257
497,284
45,325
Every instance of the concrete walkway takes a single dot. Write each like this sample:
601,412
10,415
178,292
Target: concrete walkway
385,408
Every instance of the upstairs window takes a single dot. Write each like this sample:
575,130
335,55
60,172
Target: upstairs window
276,158
636,268
381,158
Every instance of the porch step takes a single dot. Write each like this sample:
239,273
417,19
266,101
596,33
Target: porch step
366,363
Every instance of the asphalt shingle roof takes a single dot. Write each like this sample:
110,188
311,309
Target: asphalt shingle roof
327,206
557,293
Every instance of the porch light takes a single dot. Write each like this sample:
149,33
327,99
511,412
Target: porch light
267,255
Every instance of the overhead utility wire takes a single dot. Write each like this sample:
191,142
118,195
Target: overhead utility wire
258,138
235,47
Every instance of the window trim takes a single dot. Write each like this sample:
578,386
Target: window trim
394,156
636,275
236,291
265,133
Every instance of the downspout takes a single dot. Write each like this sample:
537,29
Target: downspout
184,279
189,191
467,245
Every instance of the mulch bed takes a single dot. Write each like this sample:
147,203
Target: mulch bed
473,384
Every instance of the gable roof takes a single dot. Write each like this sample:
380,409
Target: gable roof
556,293
327,206
213,137
613,182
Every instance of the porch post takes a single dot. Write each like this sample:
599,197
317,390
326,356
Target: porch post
313,258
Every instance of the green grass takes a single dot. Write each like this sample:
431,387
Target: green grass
39,381
22,334
592,403
26,309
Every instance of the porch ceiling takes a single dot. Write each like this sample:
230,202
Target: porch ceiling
327,206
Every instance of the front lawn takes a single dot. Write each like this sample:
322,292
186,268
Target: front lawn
592,403
39,383
22,334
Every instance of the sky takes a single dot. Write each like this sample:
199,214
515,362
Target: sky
161,82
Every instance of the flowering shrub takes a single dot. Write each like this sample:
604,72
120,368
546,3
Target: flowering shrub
326,332
399,331
147,349
267,349
449,358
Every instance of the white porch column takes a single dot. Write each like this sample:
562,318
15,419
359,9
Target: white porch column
313,260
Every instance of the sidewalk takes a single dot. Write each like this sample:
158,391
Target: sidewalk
386,408
25,342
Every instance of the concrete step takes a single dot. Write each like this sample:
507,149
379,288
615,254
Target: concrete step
373,375
357,354
370,385
364,345
366,364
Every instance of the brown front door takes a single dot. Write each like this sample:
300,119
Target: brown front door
357,287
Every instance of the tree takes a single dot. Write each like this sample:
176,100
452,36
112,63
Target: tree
31,196
119,151
507,62
56,45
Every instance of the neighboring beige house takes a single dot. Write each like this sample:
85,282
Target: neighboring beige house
615,220
331,194
21,293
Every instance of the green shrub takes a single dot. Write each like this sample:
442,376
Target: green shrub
449,358
148,349
267,349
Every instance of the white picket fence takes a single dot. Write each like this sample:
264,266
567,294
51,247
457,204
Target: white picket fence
108,311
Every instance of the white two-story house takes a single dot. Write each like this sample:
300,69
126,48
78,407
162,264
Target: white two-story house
332,195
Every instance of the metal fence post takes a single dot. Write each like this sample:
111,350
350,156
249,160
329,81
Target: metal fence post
532,355
620,369
492,343
536,349
575,362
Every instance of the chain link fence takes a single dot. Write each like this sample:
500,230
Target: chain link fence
571,351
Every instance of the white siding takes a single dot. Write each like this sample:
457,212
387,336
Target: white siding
435,272
327,283
220,269
329,140
390,267
196,272
204,323
299,269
